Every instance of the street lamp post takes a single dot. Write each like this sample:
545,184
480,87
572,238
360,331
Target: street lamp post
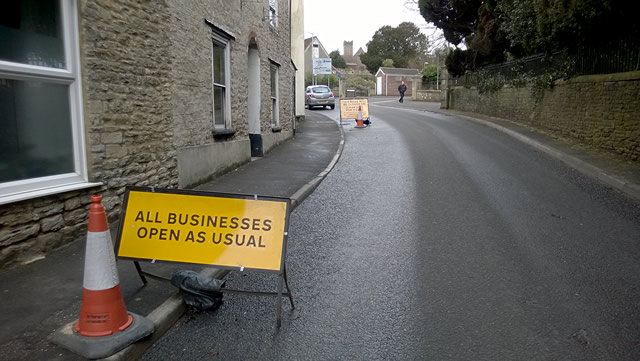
313,57
437,71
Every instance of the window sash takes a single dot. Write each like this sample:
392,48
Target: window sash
37,135
221,97
37,37
218,106
273,12
275,103
69,75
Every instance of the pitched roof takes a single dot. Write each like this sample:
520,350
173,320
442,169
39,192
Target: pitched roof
399,71
307,41
307,44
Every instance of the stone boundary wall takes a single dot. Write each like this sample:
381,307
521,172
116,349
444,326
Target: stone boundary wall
428,95
601,111
31,228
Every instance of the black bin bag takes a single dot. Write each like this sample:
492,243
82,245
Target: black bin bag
198,291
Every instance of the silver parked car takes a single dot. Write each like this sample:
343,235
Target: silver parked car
319,96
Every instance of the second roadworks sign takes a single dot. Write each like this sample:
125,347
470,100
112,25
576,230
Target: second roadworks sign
349,108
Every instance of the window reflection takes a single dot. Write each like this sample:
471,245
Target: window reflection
36,136
31,32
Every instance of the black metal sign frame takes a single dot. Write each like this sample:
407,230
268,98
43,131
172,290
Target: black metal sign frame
282,273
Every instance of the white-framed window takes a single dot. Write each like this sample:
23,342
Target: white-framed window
275,103
42,147
273,12
220,77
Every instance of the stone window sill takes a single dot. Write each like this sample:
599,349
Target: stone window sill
47,191
222,134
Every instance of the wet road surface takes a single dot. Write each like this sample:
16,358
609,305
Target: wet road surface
435,238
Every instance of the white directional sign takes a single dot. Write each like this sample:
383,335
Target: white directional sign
321,66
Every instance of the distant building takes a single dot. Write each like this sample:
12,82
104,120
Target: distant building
313,49
388,80
352,60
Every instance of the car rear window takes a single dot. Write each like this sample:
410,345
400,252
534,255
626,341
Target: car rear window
321,90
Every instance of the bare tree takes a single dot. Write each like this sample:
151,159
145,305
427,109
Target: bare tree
434,35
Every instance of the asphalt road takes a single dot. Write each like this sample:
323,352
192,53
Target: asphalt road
435,238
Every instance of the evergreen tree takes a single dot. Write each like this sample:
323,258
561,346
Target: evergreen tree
399,44
337,60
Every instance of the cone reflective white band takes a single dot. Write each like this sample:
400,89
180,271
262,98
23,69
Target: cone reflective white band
100,272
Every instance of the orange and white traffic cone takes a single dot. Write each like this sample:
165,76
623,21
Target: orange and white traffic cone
103,311
105,327
359,120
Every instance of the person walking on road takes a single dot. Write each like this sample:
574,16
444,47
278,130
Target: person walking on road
401,89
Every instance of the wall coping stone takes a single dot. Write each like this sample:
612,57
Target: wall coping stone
598,78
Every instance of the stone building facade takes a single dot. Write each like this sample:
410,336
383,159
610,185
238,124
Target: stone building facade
159,94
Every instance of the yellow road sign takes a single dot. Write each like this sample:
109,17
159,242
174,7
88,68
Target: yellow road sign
231,231
349,108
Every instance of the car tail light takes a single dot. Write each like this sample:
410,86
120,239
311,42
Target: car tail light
311,95
331,94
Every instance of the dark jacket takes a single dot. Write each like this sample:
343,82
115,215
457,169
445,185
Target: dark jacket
402,88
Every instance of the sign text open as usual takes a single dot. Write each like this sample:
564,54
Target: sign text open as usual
232,232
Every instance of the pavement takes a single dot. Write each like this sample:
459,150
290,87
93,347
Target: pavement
41,297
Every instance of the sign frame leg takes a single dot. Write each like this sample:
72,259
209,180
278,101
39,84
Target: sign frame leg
279,300
140,272
283,282
286,283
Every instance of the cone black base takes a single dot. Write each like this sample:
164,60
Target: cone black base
100,347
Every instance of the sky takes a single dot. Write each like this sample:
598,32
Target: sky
334,21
